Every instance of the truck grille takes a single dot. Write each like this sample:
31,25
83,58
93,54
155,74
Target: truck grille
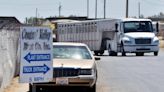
65,72
143,41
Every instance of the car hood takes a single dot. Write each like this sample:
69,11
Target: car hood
72,63
140,35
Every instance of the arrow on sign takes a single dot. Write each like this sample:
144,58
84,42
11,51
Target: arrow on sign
37,57
36,69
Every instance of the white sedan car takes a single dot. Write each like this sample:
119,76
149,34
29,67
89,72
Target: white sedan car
73,65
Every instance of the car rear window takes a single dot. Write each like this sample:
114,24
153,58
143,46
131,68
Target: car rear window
70,52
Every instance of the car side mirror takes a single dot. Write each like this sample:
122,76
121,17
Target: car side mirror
97,58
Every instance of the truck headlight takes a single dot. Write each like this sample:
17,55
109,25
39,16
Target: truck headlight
156,40
85,72
127,42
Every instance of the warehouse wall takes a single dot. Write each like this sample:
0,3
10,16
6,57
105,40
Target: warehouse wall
8,54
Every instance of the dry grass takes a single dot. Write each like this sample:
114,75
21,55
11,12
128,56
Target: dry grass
161,42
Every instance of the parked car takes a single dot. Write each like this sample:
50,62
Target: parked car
73,65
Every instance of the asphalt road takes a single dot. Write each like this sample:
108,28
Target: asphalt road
122,74
131,73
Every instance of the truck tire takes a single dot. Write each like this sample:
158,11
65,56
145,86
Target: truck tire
122,50
156,53
139,54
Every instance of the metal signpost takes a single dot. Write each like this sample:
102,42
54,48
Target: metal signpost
36,55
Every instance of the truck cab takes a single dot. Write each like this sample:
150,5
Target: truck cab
137,36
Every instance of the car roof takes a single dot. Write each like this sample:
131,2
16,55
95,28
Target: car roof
69,43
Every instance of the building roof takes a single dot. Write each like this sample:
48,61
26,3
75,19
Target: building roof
10,18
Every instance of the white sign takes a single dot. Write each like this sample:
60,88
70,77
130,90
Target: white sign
36,55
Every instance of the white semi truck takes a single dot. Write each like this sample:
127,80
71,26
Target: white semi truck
115,35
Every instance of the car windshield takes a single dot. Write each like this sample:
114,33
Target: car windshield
71,52
137,26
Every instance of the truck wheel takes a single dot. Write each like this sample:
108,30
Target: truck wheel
156,53
123,51
139,54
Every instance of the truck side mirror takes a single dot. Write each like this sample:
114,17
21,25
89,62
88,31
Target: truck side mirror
116,27
157,27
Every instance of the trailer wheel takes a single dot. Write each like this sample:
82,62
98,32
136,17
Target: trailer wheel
111,53
156,53
96,53
101,52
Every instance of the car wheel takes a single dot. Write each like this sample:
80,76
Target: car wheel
155,53
30,87
93,88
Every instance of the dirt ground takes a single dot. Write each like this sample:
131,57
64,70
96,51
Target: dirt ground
16,87
161,42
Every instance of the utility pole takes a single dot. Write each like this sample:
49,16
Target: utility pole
139,10
127,8
36,20
96,9
60,9
104,9
88,8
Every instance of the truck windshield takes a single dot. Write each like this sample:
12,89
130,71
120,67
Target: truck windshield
138,26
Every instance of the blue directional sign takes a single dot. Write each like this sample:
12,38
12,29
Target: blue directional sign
36,69
37,57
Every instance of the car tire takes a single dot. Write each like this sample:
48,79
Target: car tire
30,87
93,88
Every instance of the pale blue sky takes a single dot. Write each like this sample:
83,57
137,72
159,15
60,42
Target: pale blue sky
115,8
